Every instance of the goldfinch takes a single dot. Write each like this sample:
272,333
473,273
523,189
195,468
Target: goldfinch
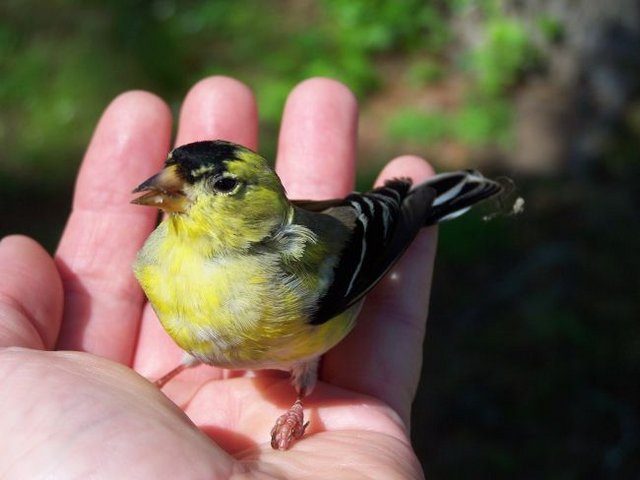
241,277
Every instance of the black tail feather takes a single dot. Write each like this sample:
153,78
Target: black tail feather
456,192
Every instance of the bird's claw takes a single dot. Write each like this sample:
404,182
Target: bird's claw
289,427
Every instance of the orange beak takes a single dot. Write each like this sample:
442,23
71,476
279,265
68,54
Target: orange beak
164,190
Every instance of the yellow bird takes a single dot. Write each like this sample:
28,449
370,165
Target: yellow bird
243,278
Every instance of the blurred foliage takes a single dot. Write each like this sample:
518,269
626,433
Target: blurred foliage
500,60
480,123
492,68
60,70
418,126
551,28
475,124
531,364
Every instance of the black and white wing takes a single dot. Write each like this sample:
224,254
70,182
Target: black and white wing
385,222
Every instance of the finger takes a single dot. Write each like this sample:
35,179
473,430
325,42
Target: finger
382,357
215,108
30,295
317,144
104,232
219,108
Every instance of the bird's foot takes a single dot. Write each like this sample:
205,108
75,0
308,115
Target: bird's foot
289,427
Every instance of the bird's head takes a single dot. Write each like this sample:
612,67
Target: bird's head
217,186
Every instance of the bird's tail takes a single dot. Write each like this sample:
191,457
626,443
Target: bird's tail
457,192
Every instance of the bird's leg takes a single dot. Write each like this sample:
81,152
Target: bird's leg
187,362
291,426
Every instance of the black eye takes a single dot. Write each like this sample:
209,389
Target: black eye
224,184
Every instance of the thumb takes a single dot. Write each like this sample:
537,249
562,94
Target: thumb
30,295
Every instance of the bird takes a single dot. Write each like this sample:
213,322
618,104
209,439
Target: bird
242,277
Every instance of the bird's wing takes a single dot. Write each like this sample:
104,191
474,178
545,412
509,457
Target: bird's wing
385,221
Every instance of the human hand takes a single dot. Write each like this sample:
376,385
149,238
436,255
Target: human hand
72,403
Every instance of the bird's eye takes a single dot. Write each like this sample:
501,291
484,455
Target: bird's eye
224,185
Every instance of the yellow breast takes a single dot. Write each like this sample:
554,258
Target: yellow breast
233,311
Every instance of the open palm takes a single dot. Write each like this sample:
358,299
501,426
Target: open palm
75,331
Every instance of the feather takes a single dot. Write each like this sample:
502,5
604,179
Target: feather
387,220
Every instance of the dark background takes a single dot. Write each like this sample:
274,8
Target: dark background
532,361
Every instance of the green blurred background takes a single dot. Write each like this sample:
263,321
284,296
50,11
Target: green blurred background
532,361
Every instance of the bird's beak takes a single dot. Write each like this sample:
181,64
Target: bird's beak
164,191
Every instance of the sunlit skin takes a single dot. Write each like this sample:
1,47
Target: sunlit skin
75,399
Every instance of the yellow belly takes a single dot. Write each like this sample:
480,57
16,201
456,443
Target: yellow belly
238,312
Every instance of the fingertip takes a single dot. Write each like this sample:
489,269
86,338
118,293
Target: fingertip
229,84
412,166
17,241
317,143
312,88
219,107
31,294
126,115
140,102
129,143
